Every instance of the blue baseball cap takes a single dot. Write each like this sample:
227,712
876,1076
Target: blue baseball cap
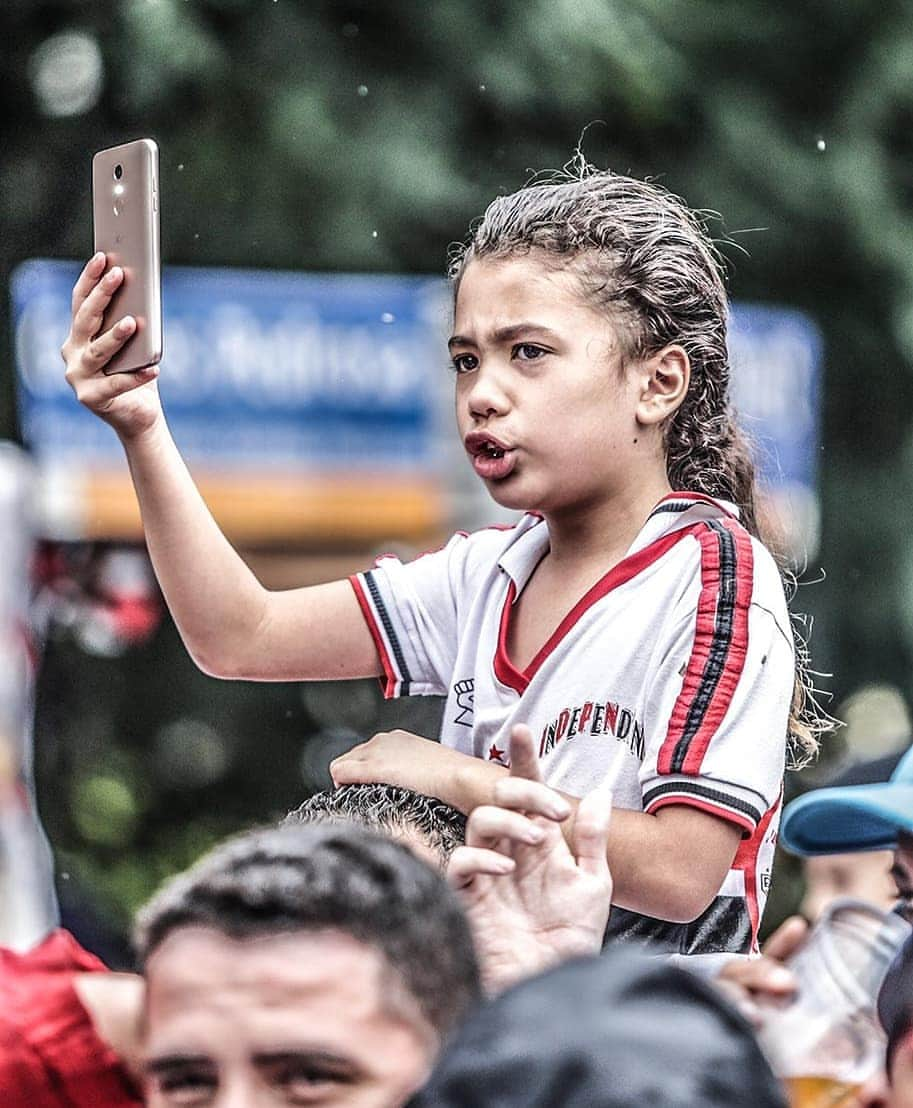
845,818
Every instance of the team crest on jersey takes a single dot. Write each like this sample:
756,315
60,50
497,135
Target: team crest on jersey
465,701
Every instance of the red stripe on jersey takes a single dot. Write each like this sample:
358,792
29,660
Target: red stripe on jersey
391,680
508,674
746,860
505,671
718,654
705,806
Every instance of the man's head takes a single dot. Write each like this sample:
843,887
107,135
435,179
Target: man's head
868,808
319,965
614,1031
431,828
895,1013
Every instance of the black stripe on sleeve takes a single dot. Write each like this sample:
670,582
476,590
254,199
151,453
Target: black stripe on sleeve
384,615
702,792
719,647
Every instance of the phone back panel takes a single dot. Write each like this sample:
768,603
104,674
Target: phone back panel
126,218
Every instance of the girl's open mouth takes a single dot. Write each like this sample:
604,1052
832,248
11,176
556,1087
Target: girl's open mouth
492,460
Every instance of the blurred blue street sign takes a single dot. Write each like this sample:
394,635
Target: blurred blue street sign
271,381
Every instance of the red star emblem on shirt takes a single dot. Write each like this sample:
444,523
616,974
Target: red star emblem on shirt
495,755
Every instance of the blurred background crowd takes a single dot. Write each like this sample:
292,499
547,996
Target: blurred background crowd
362,138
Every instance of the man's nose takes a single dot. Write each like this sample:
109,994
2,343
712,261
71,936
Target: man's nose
243,1091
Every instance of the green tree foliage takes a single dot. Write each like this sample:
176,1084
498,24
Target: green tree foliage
367,136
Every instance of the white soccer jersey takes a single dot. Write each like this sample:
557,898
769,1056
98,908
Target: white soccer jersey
673,676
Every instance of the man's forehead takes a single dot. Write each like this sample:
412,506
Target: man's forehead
216,996
197,960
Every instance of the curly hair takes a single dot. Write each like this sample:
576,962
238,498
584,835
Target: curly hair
642,255
387,809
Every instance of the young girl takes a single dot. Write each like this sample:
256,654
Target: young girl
631,618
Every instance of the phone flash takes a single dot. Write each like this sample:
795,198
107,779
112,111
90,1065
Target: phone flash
118,190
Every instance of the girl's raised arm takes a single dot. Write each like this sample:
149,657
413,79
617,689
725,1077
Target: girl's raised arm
232,626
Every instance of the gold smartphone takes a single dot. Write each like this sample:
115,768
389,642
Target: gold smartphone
125,208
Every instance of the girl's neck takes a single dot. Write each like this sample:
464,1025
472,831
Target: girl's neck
602,532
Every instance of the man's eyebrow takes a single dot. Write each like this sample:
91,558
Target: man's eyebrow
165,1062
339,1064
504,334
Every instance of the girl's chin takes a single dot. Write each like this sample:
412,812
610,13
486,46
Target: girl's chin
511,497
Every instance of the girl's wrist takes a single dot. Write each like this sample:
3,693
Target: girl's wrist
474,782
149,440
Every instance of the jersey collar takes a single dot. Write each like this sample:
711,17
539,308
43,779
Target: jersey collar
673,513
679,510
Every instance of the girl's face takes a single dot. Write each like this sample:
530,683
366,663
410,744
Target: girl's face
545,409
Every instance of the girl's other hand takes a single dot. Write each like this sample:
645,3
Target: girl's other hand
394,758
128,401
401,758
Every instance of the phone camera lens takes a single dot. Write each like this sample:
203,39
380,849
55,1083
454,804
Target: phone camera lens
118,171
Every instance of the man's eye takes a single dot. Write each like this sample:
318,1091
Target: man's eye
188,1090
465,363
302,1084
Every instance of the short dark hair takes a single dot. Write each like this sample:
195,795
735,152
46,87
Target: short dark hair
330,876
613,1031
387,809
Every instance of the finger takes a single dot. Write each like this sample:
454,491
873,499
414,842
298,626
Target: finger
742,1000
787,938
532,797
100,392
354,771
761,976
101,350
591,833
87,280
341,771
488,824
87,320
467,863
522,752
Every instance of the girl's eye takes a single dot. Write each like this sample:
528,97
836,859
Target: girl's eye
465,363
528,352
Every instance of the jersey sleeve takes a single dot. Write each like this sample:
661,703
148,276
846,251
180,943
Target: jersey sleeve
718,705
412,611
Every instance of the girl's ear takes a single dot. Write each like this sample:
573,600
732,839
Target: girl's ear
665,377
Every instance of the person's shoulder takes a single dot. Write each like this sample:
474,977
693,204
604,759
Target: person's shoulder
494,539
478,557
58,952
727,555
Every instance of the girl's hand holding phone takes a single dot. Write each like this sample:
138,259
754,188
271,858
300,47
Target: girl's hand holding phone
128,401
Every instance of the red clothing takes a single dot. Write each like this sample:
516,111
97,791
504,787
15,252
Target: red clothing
50,1054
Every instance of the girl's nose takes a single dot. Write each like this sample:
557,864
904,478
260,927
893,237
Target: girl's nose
485,397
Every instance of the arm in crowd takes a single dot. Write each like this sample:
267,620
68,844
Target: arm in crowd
231,625
669,865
